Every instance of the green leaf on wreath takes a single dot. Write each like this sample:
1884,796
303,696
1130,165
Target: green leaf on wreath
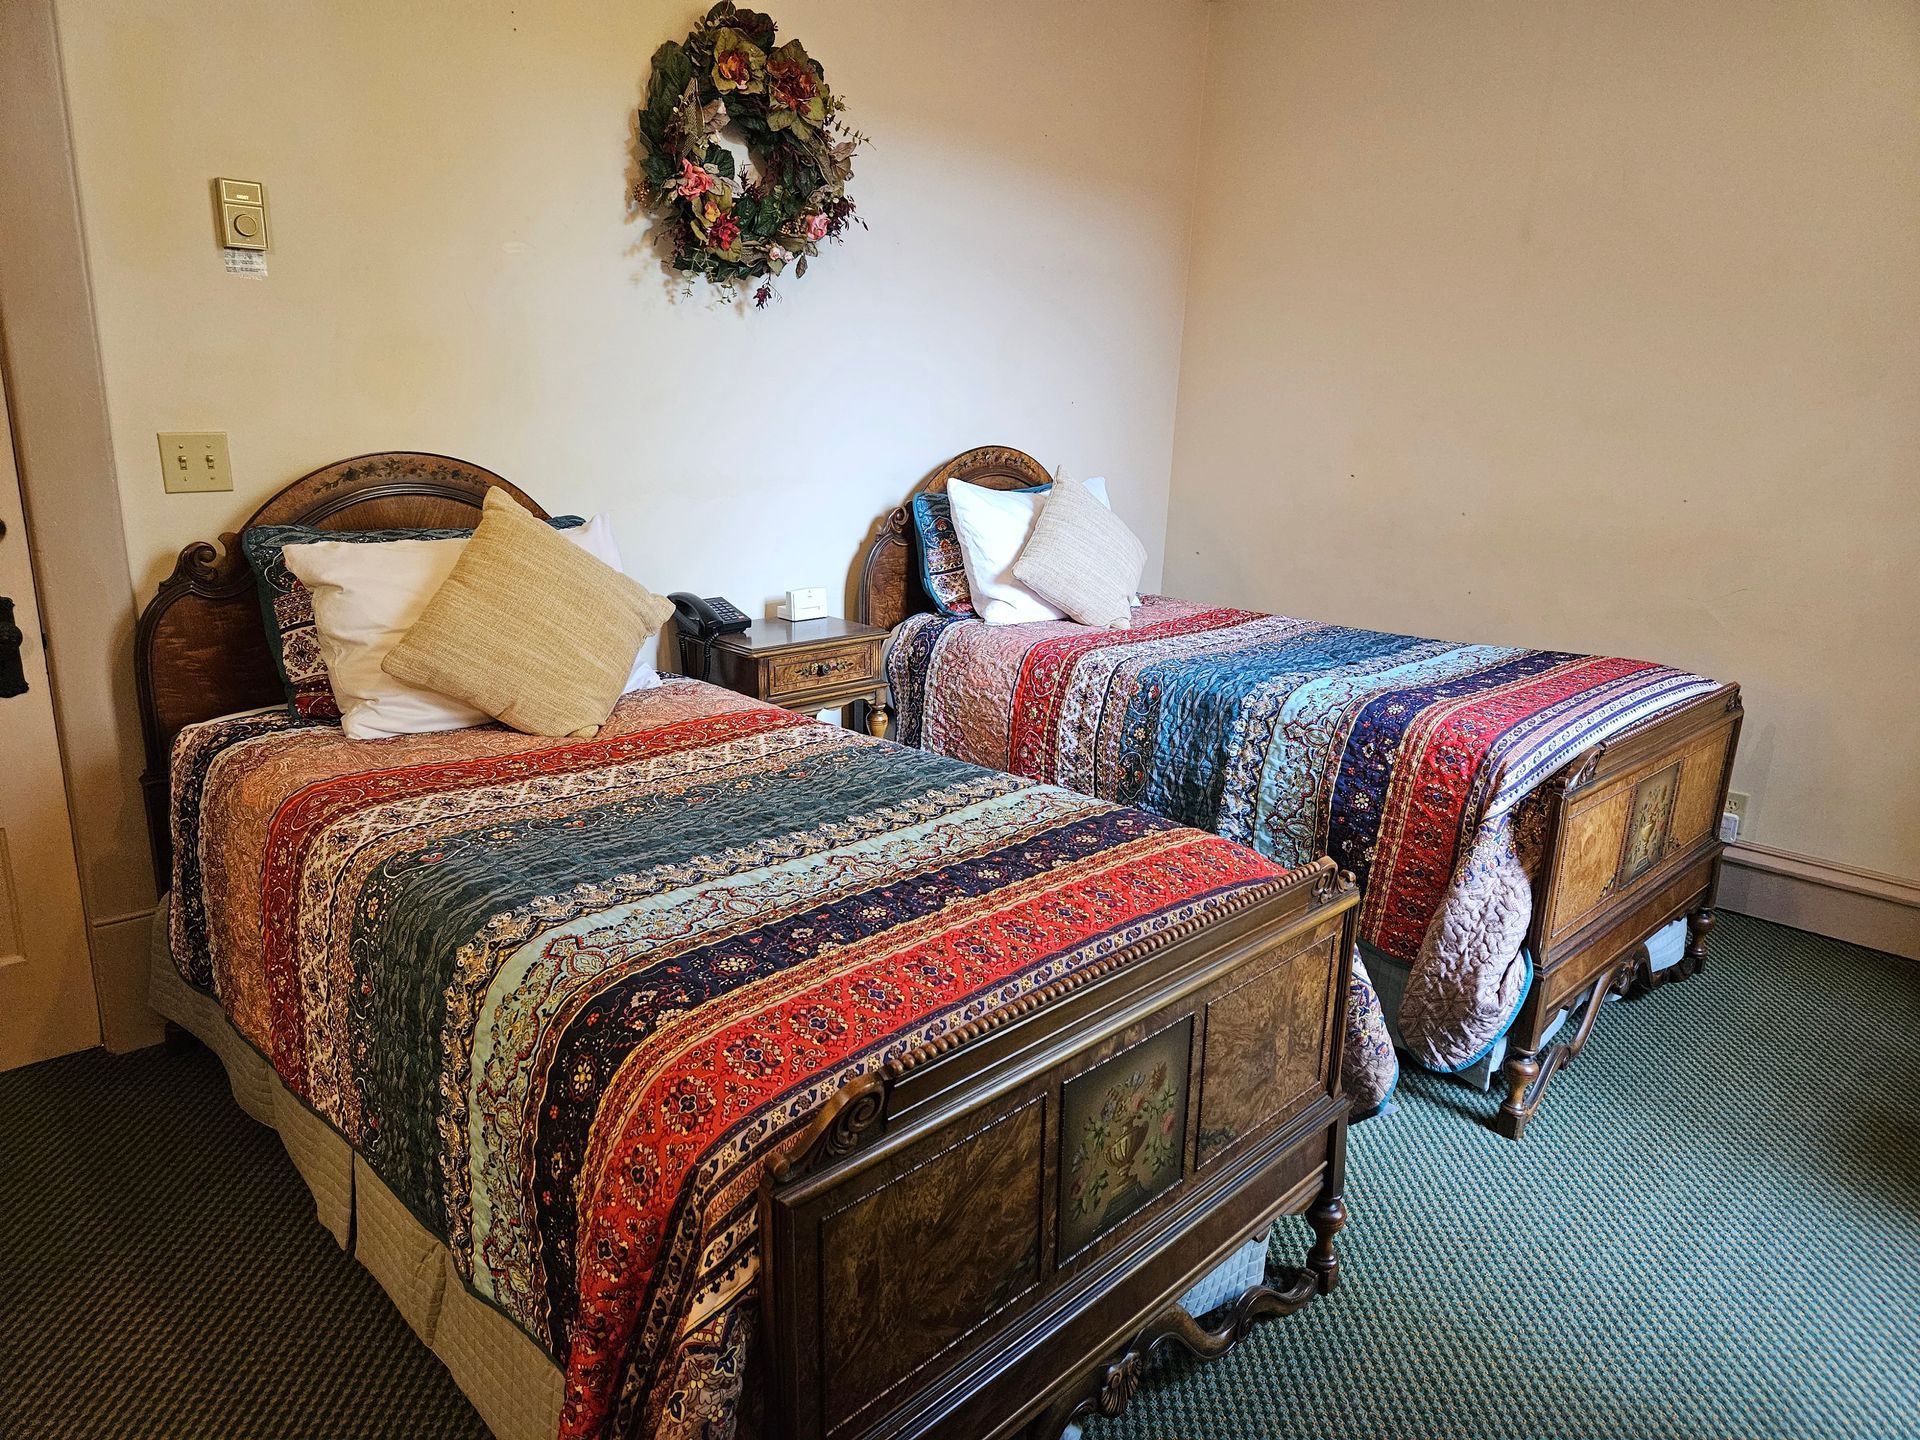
671,72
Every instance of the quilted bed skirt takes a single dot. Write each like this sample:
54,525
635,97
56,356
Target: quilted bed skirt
511,1382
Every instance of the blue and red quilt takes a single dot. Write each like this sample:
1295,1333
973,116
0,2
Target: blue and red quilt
567,996
1407,760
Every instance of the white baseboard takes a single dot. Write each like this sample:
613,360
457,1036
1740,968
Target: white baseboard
1842,902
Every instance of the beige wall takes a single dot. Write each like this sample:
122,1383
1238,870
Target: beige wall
1583,324
454,269
1587,325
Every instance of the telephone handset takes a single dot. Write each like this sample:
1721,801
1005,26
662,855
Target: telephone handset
701,623
710,618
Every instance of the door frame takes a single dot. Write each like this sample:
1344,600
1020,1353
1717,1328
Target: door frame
51,1001
63,450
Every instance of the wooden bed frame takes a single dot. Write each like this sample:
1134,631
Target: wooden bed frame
922,1275
1593,911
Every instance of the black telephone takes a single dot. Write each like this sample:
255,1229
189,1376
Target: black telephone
701,623
708,619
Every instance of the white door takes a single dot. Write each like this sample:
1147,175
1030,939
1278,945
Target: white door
46,979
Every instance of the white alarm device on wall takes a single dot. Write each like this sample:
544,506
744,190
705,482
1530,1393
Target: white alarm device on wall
809,604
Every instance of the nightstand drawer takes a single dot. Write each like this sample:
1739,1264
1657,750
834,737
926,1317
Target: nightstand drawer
822,669
818,664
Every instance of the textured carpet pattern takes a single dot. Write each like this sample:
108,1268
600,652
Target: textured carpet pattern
162,1272
1711,1230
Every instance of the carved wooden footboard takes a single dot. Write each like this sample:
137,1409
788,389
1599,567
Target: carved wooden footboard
1633,842
989,1236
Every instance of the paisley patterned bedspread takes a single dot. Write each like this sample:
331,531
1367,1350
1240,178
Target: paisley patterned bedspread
1407,760
567,996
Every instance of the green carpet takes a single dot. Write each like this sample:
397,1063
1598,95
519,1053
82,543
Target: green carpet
1712,1230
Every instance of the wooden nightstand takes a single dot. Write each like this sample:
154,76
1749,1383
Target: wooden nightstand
802,665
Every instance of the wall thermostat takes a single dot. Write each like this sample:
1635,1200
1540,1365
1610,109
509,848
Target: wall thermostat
243,214
809,604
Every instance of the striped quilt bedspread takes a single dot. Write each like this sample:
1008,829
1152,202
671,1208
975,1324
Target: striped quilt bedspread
1409,761
566,997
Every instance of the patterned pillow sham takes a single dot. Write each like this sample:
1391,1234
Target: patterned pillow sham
941,568
286,608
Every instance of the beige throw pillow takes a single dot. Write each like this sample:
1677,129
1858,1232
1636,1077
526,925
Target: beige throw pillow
1082,559
529,628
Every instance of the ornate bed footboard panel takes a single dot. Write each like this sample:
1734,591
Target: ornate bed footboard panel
1624,825
990,1235
1633,843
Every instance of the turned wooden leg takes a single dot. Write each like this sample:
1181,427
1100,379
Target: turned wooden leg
1529,1073
1699,925
1327,1217
877,718
1520,1073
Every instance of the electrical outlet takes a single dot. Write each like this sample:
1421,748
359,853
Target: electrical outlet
1735,818
194,461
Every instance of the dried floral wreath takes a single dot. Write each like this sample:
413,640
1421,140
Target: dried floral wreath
733,229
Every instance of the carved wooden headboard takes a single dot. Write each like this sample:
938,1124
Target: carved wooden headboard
201,646
890,588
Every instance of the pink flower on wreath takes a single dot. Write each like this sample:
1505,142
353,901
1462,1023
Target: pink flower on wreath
694,181
816,226
724,232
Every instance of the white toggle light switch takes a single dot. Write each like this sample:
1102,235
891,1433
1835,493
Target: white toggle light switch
192,461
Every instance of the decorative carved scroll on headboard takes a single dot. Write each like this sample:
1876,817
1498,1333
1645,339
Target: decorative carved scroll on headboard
201,650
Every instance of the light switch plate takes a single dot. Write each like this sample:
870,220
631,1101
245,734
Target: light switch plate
195,461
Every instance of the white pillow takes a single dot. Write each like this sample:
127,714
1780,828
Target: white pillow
367,596
596,538
993,527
